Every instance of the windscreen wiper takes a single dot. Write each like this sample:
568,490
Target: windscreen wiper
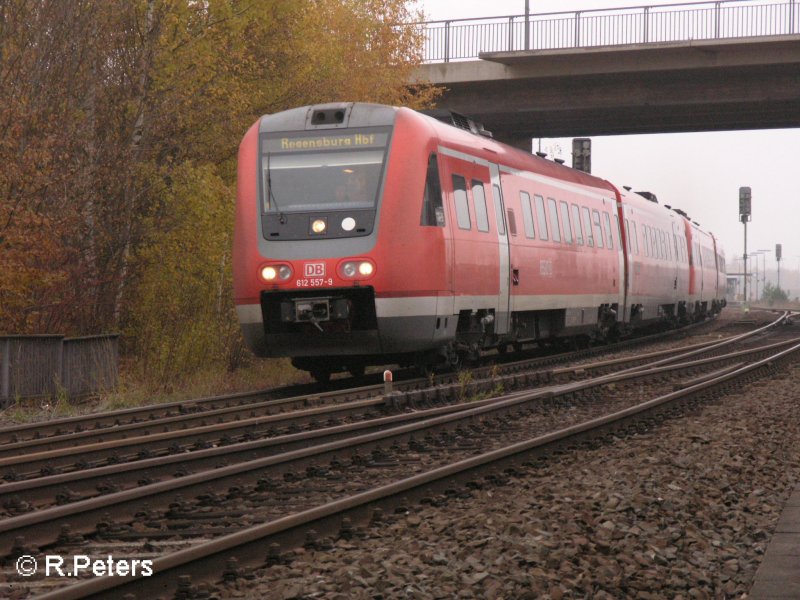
281,216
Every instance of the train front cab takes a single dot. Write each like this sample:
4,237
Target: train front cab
333,279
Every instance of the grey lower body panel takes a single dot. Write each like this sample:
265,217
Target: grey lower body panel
395,335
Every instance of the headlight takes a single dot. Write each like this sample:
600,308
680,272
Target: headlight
357,269
318,226
276,272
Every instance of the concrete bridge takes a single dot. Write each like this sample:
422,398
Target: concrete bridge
623,70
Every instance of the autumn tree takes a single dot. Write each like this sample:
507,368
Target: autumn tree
119,124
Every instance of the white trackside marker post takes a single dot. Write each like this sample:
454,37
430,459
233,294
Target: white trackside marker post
387,382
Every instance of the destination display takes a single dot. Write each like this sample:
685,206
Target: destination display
351,140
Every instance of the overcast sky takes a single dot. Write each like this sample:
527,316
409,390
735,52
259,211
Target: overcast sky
698,172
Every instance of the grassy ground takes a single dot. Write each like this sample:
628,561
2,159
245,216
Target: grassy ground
134,390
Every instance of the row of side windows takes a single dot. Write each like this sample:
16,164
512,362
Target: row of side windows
480,210
578,225
573,224
463,213
656,243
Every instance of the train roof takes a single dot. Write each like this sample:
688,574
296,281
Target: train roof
467,139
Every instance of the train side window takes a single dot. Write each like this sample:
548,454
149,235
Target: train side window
479,196
462,205
607,229
565,223
498,211
587,226
653,243
656,233
619,233
432,207
556,230
512,222
630,237
541,216
634,240
598,229
527,214
576,224
645,244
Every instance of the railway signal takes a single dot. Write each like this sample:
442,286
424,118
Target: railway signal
744,217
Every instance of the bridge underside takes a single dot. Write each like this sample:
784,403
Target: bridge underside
674,87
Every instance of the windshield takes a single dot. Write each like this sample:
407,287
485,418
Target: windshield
314,171
321,180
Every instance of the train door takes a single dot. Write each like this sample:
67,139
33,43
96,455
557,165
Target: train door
503,310
679,282
701,269
693,262
475,250
625,256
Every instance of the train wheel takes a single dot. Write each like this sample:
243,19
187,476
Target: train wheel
356,370
322,375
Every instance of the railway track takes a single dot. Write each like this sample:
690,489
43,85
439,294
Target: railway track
27,460
32,437
389,449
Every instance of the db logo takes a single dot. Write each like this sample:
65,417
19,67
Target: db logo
314,269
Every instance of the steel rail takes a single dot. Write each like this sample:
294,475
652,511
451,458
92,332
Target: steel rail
38,528
148,413
130,446
248,546
90,482
114,420
205,421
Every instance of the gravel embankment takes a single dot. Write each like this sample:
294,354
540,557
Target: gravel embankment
683,511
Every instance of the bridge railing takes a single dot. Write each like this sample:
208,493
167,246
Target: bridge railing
463,39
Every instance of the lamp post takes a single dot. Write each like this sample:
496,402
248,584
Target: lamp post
755,255
764,268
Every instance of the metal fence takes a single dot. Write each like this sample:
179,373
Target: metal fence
467,38
46,365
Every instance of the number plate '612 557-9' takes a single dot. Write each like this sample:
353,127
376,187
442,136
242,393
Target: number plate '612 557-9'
314,282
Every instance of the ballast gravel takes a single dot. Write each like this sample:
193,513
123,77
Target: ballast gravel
684,511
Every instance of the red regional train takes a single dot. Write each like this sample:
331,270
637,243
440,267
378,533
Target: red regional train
369,234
